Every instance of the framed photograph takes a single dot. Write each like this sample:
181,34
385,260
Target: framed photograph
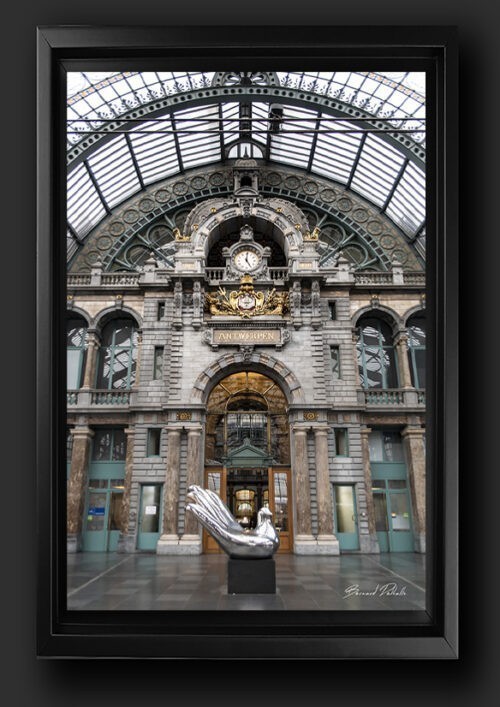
247,342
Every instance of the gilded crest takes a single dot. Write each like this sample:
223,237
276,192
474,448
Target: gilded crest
245,302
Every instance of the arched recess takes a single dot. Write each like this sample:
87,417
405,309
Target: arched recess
74,312
387,314
105,315
418,309
258,363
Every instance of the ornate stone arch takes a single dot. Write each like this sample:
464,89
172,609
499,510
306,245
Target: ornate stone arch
418,309
396,322
79,312
258,363
105,315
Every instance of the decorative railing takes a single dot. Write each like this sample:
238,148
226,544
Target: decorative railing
393,397
389,278
215,274
81,279
384,397
72,397
112,279
110,397
278,273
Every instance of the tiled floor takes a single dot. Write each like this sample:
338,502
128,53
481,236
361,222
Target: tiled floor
108,581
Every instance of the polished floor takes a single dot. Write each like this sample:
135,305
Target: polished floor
109,581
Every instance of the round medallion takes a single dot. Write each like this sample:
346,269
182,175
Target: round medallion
146,204
116,228
310,188
162,195
328,195
180,188
292,182
131,216
387,241
104,242
273,178
159,235
344,203
374,227
92,256
400,255
198,182
360,215
216,179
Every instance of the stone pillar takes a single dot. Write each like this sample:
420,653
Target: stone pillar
127,540
77,485
403,363
191,540
93,343
368,543
169,540
327,542
138,360
354,339
304,542
413,439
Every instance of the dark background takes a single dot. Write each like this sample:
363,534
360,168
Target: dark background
471,680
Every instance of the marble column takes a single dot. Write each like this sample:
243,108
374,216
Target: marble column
169,540
327,542
127,540
89,375
136,382
413,439
77,485
403,363
368,543
191,540
304,542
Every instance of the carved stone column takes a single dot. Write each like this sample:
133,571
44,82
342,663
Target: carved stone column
304,542
138,360
327,542
126,542
354,339
93,343
77,484
415,454
370,543
169,540
403,363
191,540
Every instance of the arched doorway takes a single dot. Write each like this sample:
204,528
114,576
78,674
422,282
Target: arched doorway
247,451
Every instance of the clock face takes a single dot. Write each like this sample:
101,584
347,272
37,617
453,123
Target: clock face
246,260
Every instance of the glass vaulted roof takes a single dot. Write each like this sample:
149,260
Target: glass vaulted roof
364,131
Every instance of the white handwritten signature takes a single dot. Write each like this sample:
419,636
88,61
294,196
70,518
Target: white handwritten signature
391,589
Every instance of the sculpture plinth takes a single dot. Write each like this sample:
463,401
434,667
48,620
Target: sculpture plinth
251,576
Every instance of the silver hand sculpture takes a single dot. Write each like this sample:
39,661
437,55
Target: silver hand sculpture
225,529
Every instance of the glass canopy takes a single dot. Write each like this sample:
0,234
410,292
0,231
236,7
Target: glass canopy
364,131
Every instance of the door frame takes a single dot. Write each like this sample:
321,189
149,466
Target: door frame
139,516
338,535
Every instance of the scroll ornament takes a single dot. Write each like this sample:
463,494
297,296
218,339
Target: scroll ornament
247,303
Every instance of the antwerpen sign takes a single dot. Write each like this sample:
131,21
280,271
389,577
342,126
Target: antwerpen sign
255,337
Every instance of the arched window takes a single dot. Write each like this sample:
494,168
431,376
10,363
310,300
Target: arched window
416,349
376,359
118,355
76,351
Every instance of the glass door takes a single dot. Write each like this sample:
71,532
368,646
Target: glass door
95,532
149,517
345,517
279,501
392,515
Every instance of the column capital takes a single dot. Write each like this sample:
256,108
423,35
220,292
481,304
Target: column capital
82,431
413,431
321,429
193,429
172,428
299,428
364,430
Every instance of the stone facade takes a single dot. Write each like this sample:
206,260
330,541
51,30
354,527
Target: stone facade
167,306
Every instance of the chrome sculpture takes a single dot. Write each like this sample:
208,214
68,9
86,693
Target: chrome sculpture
237,542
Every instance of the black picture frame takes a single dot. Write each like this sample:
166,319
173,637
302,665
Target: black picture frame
430,634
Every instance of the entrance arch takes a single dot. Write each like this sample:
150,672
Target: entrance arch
247,450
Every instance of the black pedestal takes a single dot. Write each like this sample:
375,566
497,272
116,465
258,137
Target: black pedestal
251,576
